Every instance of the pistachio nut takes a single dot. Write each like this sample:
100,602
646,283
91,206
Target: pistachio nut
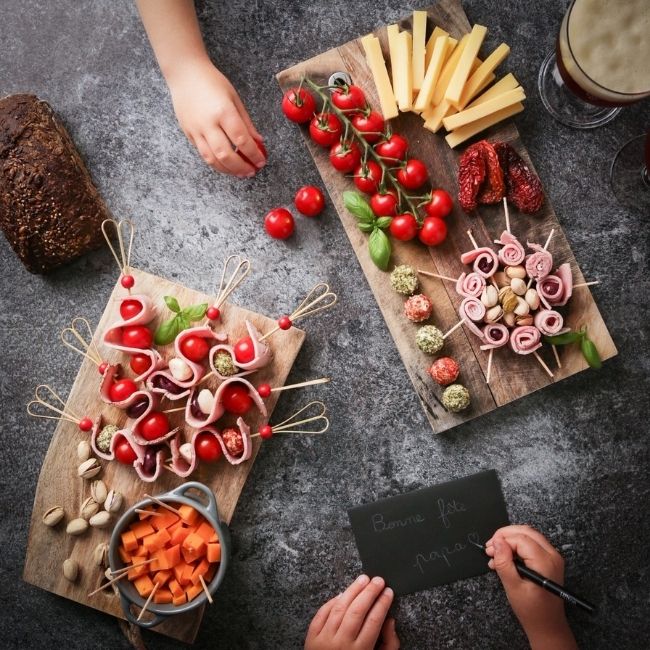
89,468
70,569
516,272
53,516
522,307
179,369
205,401
98,490
88,508
100,520
532,298
83,450
518,286
493,314
508,299
113,501
77,526
100,554
490,296
501,279
509,319
525,320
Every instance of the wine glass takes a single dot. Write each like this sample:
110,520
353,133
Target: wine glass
630,174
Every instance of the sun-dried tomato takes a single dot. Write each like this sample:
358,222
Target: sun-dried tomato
493,189
471,174
523,187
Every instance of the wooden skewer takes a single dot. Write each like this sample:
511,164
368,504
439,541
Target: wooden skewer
107,584
489,368
149,512
505,208
124,570
471,238
206,376
302,384
541,363
453,329
176,410
586,284
207,591
435,275
557,356
176,511
149,599
548,241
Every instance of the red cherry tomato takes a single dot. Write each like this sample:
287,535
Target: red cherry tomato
207,447
244,350
384,204
130,308
349,98
433,231
345,156
394,149
236,399
260,146
155,425
298,105
124,452
403,227
136,336
279,223
121,389
325,129
370,125
195,348
140,363
368,176
413,174
309,201
439,205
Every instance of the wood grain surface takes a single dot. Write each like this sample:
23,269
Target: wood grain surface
513,376
59,484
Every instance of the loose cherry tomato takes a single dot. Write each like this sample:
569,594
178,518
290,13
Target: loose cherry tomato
244,350
124,452
121,390
345,156
325,129
279,223
155,425
140,363
260,146
413,174
384,204
433,231
394,149
236,399
298,105
309,201
207,447
439,205
195,348
367,176
349,98
370,124
129,309
404,227
136,336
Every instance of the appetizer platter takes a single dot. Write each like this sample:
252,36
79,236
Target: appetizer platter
449,221
174,384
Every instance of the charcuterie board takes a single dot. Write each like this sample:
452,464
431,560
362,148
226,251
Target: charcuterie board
59,484
512,376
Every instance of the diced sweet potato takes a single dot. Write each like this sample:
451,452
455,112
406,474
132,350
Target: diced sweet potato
178,571
200,570
141,529
193,591
129,540
187,574
210,573
165,520
214,553
179,600
163,596
161,577
205,531
188,514
145,513
173,555
138,571
213,538
140,552
195,544
179,534
124,554
144,585
176,588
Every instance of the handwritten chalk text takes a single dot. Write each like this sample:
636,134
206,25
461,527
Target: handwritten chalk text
379,525
445,553
447,508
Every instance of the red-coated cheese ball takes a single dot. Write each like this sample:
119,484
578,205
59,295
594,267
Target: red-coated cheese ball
444,371
418,308
234,442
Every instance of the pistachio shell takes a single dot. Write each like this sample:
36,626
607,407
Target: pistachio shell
516,272
522,307
53,516
100,520
493,314
501,279
490,296
88,508
508,299
518,286
70,569
83,450
100,554
77,526
113,501
509,319
98,491
532,298
525,320
89,468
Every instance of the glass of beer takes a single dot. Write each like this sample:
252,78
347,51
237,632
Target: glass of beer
601,62
630,174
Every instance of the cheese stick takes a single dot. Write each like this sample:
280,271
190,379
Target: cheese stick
465,132
463,69
377,66
431,77
485,108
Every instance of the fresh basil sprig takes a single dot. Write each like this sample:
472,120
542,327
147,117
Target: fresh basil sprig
182,320
587,346
378,243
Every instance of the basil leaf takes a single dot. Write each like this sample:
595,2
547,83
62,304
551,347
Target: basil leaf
167,331
564,339
379,247
358,206
194,312
383,222
590,353
184,322
172,303
366,227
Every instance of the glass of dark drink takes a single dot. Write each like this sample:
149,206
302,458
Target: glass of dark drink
630,174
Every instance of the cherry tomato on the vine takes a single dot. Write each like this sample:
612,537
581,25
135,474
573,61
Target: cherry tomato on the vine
298,105
244,350
153,426
433,231
413,174
121,390
439,204
394,149
207,447
124,452
367,177
384,204
325,129
195,348
349,98
309,201
130,308
370,124
404,227
236,399
279,223
345,156
140,363
137,336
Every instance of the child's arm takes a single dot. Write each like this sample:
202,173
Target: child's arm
540,613
208,108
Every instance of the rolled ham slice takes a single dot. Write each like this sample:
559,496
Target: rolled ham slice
472,309
261,358
555,290
113,372
550,322
247,441
525,339
495,335
470,285
511,253
132,424
540,263
486,261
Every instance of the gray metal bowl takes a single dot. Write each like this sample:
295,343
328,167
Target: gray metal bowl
128,593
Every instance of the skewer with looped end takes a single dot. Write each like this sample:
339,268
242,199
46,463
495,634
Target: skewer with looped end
471,238
437,275
85,345
53,402
119,574
123,254
205,588
318,299
548,241
241,269
148,601
288,425
507,213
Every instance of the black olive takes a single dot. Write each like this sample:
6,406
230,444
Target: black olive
160,381
149,463
194,408
138,408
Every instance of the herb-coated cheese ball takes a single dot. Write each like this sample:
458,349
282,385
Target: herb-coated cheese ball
223,364
105,436
404,279
455,398
429,339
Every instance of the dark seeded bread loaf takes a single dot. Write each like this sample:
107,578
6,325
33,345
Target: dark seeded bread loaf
50,211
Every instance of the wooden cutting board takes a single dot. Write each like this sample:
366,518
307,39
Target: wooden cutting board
513,376
59,484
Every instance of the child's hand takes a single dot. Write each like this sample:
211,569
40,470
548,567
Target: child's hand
214,119
355,619
540,613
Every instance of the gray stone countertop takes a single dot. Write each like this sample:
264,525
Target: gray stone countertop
573,458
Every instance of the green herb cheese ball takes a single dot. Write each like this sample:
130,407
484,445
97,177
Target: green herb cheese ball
224,365
455,398
429,339
105,436
404,279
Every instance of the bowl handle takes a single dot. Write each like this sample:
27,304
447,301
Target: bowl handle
126,608
212,503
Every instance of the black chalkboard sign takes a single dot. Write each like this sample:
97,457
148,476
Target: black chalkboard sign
423,538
